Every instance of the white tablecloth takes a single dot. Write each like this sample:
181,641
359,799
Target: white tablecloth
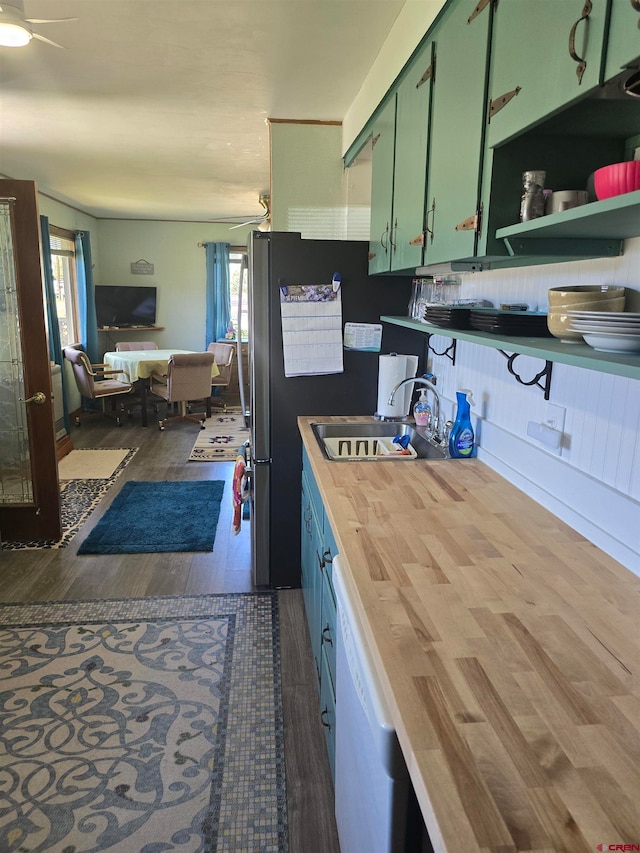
140,364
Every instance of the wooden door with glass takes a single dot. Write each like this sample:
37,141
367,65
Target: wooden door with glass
29,490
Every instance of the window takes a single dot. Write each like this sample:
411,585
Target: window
64,284
238,280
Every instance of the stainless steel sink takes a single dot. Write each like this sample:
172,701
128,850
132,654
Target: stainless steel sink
351,441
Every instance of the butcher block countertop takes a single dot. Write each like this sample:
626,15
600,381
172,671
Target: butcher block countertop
507,646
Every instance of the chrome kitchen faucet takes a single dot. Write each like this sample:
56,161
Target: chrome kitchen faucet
434,428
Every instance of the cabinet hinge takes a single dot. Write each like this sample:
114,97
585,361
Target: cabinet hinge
429,73
496,104
371,256
374,140
482,4
469,224
417,241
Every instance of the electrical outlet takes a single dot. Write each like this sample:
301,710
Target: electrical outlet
554,417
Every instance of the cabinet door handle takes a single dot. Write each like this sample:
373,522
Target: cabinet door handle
430,212
582,64
384,234
393,229
326,636
326,557
636,5
325,713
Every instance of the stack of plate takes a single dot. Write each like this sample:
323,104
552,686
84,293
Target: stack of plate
608,331
528,324
448,316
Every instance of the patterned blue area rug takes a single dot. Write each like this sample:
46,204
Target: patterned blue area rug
155,516
142,725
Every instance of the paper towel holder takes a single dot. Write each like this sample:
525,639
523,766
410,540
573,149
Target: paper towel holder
396,418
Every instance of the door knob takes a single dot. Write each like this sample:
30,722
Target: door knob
38,398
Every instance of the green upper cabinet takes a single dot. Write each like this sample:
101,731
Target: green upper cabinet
382,162
399,163
412,136
457,131
623,46
544,55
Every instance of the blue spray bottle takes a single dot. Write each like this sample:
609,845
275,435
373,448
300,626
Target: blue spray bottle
461,440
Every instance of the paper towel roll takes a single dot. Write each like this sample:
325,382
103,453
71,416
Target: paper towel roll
391,370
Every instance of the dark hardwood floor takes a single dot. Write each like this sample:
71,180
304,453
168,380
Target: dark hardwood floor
48,574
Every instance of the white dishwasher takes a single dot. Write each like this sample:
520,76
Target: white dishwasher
371,779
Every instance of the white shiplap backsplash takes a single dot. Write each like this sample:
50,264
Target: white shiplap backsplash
594,483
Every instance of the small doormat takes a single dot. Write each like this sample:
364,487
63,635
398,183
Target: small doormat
78,499
221,438
158,516
99,464
143,725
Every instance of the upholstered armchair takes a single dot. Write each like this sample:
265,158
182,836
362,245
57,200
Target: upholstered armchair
93,382
131,346
188,378
224,359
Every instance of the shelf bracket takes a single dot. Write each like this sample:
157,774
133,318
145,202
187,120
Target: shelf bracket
544,373
450,351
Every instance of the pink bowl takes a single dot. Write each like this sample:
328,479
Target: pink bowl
617,179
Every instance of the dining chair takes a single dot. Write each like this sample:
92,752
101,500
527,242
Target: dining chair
93,382
188,378
224,359
128,346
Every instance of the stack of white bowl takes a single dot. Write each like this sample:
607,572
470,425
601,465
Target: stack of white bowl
580,297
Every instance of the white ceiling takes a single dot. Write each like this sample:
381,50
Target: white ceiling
157,109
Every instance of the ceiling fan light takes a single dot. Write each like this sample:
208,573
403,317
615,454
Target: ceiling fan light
14,35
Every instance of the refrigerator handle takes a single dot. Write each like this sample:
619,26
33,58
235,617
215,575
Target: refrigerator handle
244,269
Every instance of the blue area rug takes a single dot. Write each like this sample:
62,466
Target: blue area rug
142,725
158,516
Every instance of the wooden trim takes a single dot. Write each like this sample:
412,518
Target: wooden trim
64,446
303,121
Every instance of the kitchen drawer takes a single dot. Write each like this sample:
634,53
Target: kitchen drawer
329,627
328,716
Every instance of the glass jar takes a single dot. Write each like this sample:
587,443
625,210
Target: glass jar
533,201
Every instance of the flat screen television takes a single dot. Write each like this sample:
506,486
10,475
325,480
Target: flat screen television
124,305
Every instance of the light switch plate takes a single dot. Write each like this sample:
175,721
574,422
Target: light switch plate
555,416
551,438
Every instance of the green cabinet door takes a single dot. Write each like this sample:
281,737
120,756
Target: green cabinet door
382,164
457,130
412,133
531,54
311,566
623,44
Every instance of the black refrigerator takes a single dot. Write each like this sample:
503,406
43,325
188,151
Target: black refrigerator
284,259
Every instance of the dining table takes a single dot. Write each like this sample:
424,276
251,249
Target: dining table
137,366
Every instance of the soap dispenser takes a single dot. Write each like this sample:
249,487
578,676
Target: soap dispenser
422,410
462,440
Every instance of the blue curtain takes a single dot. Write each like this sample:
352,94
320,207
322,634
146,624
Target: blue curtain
218,297
53,327
86,296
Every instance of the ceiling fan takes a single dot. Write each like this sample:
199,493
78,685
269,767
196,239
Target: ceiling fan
15,29
263,221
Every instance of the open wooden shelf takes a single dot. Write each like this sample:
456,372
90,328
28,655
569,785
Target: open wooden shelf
550,349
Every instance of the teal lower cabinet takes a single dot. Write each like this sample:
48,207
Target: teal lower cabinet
328,715
312,572
318,549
